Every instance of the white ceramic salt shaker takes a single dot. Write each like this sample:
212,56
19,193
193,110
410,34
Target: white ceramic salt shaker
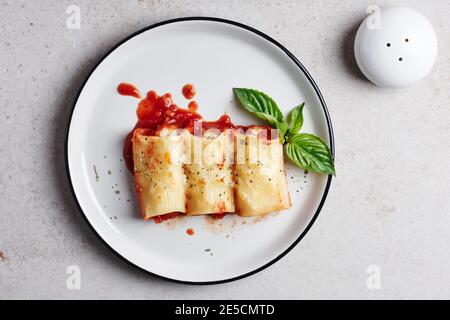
395,46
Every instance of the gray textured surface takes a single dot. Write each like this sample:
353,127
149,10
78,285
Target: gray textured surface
389,206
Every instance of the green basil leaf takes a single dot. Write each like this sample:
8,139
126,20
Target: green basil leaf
309,152
282,129
259,104
295,119
267,117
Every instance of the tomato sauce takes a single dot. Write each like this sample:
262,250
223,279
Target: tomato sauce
193,106
189,91
127,89
219,215
164,217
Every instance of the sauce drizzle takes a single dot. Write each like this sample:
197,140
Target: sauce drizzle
164,217
189,91
193,106
127,89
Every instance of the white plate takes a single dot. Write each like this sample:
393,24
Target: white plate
215,55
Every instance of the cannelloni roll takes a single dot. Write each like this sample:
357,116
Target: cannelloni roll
209,187
158,171
261,185
179,172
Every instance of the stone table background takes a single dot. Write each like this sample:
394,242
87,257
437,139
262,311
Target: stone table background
389,205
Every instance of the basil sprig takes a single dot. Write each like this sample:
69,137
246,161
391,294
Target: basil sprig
260,105
306,150
310,152
295,119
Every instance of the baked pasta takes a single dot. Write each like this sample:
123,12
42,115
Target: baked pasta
183,164
170,179
260,180
158,173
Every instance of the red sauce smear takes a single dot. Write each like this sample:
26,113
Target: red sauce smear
189,91
164,217
127,89
193,106
220,211
190,231
156,112
219,215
